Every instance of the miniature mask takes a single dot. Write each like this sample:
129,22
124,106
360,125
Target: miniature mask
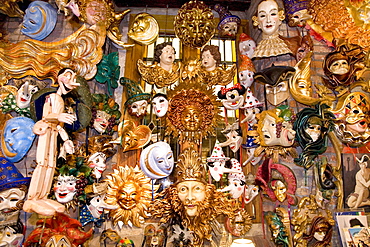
65,188
160,105
251,191
24,94
279,189
276,81
156,160
10,201
191,193
96,11
246,71
144,29
138,108
246,45
10,238
194,24
131,190
321,231
228,25
39,20
279,232
97,163
101,121
97,206
17,138
239,224
297,12
236,180
232,98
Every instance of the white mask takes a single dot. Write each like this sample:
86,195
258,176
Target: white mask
24,94
97,162
65,188
160,106
9,199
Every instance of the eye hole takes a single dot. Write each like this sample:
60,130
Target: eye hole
13,130
32,21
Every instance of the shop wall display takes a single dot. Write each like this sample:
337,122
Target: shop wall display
191,126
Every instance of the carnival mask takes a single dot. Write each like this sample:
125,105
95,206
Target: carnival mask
268,16
246,45
144,29
10,205
299,18
65,188
10,238
232,98
191,118
234,139
239,224
153,237
138,108
235,187
101,121
246,78
276,81
160,105
251,158
98,204
97,163
191,193
279,189
131,190
339,67
96,11
251,191
17,138
229,29
208,61
24,94
156,160
194,24
39,20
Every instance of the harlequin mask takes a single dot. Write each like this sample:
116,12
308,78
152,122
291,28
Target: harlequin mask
160,105
10,238
65,188
39,20
138,108
276,81
11,202
17,138
97,163
156,160
232,98
101,121
24,94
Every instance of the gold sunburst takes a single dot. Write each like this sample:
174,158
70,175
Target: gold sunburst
130,189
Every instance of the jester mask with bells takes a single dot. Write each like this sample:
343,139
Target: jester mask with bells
131,190
275,133
276,81
190,198
59,230
194,24
352,114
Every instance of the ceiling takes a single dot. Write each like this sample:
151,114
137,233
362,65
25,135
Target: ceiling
232,5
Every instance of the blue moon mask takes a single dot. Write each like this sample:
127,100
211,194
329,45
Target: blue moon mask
39,20
17,138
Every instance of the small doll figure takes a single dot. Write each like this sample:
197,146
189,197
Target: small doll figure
232,98
228,25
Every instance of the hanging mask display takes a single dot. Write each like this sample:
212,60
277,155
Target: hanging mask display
194,24
232,98
275,133
276,81
39,20
17,138
234,137
352,114
156,160
160,104
279,182
132,137
228,25
131,190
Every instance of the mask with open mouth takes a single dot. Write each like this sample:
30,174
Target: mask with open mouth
232,98
65,188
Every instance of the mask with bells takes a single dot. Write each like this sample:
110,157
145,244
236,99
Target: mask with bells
232,98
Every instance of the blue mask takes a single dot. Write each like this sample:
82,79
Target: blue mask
17,138
39,20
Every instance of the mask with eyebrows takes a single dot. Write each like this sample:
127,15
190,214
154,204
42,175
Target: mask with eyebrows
160,105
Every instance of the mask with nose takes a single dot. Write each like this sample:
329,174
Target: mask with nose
228,25
154,237
232,98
